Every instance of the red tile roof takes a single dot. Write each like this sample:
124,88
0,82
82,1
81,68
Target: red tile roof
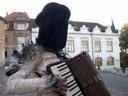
13,16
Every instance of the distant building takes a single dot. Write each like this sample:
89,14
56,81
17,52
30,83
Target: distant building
18,31
101,42
2,41
35,30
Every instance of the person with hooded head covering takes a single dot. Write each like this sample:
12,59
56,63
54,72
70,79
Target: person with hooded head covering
53,24
32,78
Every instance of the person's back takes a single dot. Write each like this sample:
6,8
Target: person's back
53,23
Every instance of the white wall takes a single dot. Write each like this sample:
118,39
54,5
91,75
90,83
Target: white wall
77,35
103,37
34,34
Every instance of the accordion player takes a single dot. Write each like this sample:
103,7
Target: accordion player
82,77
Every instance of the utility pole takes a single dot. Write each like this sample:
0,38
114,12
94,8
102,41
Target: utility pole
92,46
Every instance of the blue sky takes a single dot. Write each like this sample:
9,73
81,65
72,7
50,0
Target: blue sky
99,11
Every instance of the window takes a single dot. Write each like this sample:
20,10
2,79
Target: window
21,26
6,26
97,46
70,46
20,40
84,45
110,61
6,39
98,61
109,46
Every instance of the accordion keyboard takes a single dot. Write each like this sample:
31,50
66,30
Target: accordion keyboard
82,77
63,71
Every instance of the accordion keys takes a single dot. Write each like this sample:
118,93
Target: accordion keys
82,77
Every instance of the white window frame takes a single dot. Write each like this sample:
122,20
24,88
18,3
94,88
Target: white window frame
21,26
84,45
70,46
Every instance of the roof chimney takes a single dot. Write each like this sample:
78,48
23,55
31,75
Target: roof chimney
6,13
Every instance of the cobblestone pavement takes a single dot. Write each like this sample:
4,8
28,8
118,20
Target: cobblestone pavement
116,84
3,79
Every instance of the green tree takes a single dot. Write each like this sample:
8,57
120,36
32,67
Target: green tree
124,46
124,61
124,38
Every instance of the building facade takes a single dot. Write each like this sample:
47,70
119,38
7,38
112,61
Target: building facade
18,31
2,41
101,42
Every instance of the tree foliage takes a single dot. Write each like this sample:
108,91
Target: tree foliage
124,37
124,46
124,59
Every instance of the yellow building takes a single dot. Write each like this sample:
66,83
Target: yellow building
2,41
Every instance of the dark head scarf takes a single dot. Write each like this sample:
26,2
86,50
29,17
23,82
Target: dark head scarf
53,25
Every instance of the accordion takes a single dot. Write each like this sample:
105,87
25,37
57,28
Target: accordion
82,77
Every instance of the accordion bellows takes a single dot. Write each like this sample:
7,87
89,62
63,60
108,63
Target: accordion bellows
82,77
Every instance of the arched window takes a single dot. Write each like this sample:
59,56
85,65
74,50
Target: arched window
98,61
110,61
